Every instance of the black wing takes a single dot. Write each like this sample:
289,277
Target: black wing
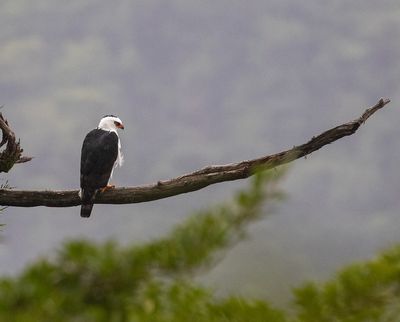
99,153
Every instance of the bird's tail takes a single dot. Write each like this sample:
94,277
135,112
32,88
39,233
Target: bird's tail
86,210
87,202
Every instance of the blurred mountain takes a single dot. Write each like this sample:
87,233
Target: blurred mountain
199,83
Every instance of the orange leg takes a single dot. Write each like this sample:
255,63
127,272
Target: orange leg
107,187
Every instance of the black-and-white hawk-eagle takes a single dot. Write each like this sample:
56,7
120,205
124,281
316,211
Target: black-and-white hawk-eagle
101,153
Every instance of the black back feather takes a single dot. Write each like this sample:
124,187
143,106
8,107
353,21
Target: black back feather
99,153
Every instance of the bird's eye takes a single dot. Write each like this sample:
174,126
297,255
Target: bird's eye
117,123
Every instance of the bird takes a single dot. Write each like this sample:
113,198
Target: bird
100,155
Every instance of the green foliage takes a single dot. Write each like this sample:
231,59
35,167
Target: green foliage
150,282
181,301
361,292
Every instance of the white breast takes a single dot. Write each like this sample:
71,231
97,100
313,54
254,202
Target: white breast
120,157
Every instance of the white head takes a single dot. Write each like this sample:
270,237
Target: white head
110,123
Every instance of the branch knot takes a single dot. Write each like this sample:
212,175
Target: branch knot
13,152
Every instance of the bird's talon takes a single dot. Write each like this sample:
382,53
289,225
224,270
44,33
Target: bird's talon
107,187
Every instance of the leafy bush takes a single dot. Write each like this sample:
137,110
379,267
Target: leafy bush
150,282
88,282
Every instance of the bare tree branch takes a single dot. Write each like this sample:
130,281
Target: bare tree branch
13,152
188,182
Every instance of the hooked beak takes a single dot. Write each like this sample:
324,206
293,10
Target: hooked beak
120,126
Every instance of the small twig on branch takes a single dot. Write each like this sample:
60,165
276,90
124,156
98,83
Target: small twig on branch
13,152
188,182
